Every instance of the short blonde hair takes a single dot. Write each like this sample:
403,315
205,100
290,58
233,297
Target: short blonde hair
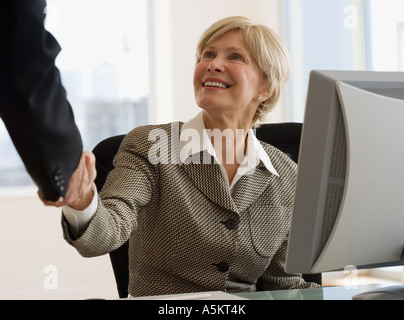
265,47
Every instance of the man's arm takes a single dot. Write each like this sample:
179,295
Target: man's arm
33,102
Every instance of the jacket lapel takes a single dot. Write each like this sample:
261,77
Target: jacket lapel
208,178
251,186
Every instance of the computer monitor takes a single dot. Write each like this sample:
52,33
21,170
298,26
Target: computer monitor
349,201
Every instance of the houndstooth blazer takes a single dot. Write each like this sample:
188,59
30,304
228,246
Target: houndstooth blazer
186,232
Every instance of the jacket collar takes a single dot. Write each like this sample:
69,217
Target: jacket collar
194,138
208,178
198,158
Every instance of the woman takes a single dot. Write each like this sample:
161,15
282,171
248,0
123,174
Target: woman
216,215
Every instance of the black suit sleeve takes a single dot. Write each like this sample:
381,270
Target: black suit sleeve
33,102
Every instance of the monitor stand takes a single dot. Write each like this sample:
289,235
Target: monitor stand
395,292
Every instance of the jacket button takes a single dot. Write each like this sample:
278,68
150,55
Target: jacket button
59,181
230,224
58,175
222,266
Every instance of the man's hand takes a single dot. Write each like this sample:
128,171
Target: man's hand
79,188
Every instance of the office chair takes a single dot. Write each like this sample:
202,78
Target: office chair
284,136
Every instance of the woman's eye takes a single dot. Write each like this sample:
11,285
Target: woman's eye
208,55
236,57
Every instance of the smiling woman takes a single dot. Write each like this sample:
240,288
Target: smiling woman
223,84
173,212
240,73
271,59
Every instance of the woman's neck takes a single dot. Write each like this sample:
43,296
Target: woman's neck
229,139
227,121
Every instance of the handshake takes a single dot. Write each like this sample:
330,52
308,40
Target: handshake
79,192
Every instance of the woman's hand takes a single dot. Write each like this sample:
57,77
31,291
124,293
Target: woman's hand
79,192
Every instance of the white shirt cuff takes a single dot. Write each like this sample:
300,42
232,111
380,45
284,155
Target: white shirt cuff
79,219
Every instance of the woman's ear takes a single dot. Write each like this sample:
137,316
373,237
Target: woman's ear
263,96
266,92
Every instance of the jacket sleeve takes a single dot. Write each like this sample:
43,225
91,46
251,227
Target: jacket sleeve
33,102
129,188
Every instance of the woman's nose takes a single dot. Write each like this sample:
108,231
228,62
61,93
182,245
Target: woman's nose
216,65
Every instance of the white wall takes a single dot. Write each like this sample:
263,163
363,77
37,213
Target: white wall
401,46
30,241
183,22
30,234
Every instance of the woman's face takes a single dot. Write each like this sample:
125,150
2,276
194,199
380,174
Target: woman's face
227,79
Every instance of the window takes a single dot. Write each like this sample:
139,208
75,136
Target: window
385,22
104,68
319,35
340,35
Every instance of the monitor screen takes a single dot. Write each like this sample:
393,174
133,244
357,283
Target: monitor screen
349,200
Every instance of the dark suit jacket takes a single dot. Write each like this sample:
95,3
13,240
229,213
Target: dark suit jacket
33,102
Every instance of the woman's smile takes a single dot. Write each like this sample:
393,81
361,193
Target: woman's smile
215,83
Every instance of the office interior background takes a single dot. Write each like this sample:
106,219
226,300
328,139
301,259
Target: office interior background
126,63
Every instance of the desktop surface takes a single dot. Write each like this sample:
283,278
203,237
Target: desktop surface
325,293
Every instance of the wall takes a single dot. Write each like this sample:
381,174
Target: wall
401,46
36,262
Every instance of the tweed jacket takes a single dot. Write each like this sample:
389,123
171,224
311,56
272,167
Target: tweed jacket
186,232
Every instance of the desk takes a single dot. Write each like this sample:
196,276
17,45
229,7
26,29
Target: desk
254,305
327,293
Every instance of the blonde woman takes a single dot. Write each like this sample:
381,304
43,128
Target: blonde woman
204,204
